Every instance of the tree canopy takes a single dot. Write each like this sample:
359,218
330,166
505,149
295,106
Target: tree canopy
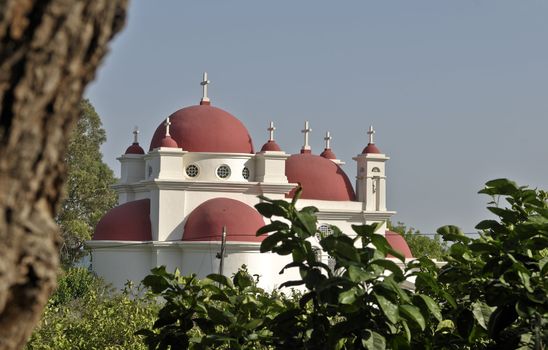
88,190
420,245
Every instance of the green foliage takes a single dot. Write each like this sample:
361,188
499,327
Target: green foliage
84,313
216,312
361,306
420,245
89,195
491,294
499,281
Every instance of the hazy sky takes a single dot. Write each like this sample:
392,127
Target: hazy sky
457,90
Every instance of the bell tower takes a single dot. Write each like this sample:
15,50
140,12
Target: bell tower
371,176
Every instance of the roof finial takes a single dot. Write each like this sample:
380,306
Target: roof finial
271,129
306,131
167,123
371,132
204,83
136,134
328,139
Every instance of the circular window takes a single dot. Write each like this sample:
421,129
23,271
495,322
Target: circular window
192,170
245,173
324,231
223,171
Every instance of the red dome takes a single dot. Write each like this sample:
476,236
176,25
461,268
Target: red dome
319,177
398,243
271,146
127,222
206,222
168,141
371,148
328,153
135,149
204,128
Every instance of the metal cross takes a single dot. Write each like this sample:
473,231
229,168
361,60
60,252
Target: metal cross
328,139
271,129
204,84
306,131
167,124
136,134
371,132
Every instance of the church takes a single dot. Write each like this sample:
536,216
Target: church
192,194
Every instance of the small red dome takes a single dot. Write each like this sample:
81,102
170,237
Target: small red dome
206,222
204,128
271,145
328,153
135,149
319,177
127,222
398,243
371,148
168,141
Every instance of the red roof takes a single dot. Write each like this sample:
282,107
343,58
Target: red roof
371,148
135,149
127,222
206,222
398,243
271,145
328,153
204,128
319,177
168,141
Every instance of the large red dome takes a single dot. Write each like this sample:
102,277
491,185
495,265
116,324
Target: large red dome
206,222
319,177
204,128
127,222
398,243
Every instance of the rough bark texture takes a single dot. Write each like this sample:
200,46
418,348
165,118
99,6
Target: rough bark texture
49,51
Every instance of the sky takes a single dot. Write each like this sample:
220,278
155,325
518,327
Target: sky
457,91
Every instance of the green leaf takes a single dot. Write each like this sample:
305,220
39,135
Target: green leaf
390,266
389,309
336,246
431,305
357,274
500,187
348,297
271,241
221,279
452,233
482,312
487,225
413,313
375,341
265,209
273,226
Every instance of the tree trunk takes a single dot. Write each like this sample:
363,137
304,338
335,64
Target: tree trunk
49,51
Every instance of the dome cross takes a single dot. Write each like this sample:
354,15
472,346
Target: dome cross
306,131
371,133
328,139
167,123
204,84
136,134
271,129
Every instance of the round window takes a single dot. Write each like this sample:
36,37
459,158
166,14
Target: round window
323,231
245,173
223,171
192,170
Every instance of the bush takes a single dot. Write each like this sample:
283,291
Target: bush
84,313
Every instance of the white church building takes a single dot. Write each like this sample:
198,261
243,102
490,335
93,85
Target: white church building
202,174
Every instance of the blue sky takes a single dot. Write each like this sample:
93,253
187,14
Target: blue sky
457,90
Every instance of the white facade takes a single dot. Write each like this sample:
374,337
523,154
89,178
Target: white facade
176,182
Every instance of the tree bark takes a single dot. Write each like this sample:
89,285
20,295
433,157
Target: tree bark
49,51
